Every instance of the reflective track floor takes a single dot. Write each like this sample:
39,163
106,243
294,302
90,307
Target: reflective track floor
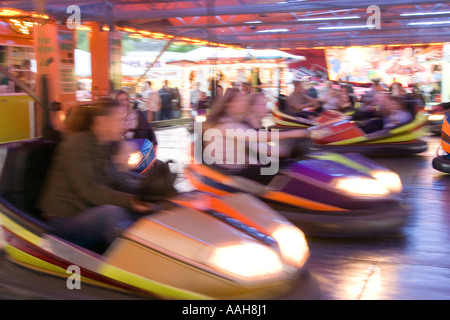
411,265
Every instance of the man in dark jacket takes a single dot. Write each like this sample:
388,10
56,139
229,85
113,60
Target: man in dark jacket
167,95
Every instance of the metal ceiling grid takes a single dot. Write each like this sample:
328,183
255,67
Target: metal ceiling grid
270,23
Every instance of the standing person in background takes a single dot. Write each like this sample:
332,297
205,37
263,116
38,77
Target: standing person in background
219,94
195,95
140,104
203,102
176,103
141,100
219,91
166,94
153,102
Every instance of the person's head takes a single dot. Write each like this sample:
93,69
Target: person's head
166,83
376,84
343,89
219,91
397,89
257,104
121,97
203,96
298,86
343,95
104,118
392,103
148,84
232,104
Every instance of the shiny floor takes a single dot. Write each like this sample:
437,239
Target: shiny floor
411,265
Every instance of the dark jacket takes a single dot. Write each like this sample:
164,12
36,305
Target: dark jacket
82,175
166,95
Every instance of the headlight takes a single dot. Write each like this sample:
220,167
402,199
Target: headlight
246,260
436,117
361,187
135,158
292,244
200,118
389,179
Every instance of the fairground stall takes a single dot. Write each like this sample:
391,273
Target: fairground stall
263,70
17,56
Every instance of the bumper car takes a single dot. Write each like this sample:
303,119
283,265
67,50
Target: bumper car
324,194
197,246
442,162
344,135
283,120
436,117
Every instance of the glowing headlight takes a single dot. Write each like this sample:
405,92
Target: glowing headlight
362,187
292,244
436,117
135,158
246,260
390,180
200,118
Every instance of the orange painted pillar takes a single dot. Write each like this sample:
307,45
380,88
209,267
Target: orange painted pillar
54,47
106,61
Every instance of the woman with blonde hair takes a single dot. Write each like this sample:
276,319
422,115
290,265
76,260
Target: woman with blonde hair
86,198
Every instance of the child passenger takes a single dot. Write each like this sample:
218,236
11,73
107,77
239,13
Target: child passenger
396,112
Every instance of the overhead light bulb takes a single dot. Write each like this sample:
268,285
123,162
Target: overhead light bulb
273,30
328,18
424,13
343,27
427,23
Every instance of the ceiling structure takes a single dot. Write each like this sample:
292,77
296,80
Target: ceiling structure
268,24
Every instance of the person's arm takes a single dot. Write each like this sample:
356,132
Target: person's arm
264,136
311,103
283,135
